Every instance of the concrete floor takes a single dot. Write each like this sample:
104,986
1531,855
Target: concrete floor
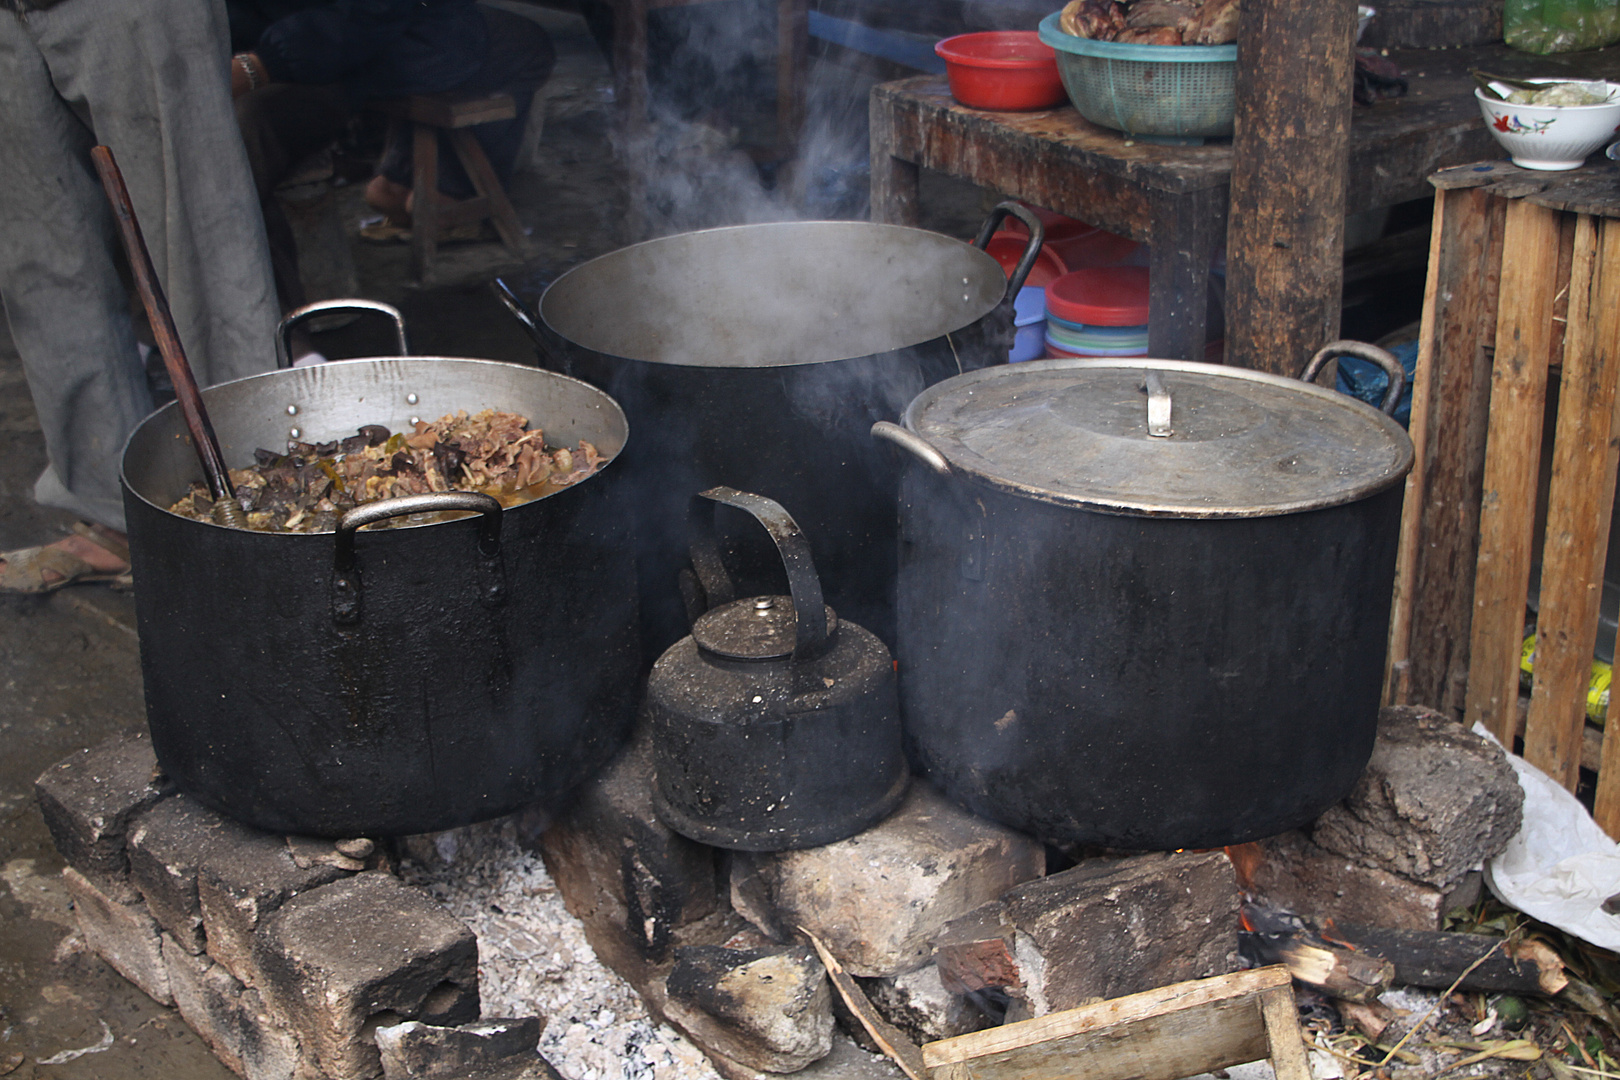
70,662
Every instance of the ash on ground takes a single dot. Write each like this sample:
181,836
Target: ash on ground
533,960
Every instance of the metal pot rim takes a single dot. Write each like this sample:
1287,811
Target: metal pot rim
981,471
313,373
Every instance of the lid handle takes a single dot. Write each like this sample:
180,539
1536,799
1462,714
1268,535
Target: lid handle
1158,406
809,610
1362,350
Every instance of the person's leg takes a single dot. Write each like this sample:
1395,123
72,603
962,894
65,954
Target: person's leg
152,77
69,312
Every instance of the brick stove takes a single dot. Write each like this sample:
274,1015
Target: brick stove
297,959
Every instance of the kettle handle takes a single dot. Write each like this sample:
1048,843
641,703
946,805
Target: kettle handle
809,610
1363,351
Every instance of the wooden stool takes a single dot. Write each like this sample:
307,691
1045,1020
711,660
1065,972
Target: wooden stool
455,114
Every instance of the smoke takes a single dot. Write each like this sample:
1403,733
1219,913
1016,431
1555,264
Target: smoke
713,85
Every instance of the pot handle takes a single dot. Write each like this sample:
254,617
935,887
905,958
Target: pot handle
321,307
809,609
1362,350
1032,250
346,574
520,311
915,444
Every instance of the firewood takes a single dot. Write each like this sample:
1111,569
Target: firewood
1434,959
1274,936
890,1039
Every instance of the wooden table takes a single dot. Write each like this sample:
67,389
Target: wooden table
1174,198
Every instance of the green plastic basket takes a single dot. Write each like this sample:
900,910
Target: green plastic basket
1175,91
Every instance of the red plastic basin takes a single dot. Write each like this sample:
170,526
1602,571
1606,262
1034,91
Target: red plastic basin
1008,247
1002,70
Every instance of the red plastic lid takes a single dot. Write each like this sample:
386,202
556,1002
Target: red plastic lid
997,49
1008,247
1101,296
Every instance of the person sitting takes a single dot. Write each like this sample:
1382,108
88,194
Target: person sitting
304,67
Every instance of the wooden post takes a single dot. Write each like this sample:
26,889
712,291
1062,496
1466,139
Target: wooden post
1290,155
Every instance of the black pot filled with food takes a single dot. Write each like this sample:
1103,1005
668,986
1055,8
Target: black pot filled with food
411,664
1144,603
758,357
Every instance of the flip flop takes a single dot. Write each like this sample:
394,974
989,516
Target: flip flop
25,568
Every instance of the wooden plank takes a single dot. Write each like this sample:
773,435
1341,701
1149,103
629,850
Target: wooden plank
1287,1048
1512,458
1580,499
1290,149
1434,597
1606,340
1161,1034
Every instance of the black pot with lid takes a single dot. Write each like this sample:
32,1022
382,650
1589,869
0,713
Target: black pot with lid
774,724
1144,603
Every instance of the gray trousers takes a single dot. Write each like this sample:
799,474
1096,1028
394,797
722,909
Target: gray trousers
149,78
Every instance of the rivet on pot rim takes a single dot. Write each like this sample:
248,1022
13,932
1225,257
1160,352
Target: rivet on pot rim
410,399
415,420
292,410
292,433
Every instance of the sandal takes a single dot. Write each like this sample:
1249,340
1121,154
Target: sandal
25,568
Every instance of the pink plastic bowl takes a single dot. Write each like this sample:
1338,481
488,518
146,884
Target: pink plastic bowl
1002,70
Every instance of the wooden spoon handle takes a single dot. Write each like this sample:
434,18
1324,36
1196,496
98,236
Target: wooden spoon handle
168,341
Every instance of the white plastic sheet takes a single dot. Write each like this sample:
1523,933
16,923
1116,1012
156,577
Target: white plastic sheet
1559,867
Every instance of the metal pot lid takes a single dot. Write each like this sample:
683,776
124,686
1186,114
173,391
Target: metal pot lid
773,294
1240,443
759,628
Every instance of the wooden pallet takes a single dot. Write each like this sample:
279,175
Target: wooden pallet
1174,1031
1524,275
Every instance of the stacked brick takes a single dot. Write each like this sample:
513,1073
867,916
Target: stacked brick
289,968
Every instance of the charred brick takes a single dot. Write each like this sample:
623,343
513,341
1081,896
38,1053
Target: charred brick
88,799
231,1018
629,877
1111,927
124,935
239,884
877,898
489,1048
769,1009
167,843
368,951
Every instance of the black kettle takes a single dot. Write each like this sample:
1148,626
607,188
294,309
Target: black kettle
774,726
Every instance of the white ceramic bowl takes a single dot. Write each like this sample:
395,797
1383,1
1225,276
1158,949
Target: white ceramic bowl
1552,137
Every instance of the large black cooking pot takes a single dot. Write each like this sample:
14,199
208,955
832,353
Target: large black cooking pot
758,357
1143,603
383,681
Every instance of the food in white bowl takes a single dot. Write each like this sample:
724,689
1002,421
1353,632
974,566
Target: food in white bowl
1553,137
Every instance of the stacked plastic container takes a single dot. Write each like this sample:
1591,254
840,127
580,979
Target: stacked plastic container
1098,311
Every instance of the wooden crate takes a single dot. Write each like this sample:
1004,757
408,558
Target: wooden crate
1173,1031
1524,276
